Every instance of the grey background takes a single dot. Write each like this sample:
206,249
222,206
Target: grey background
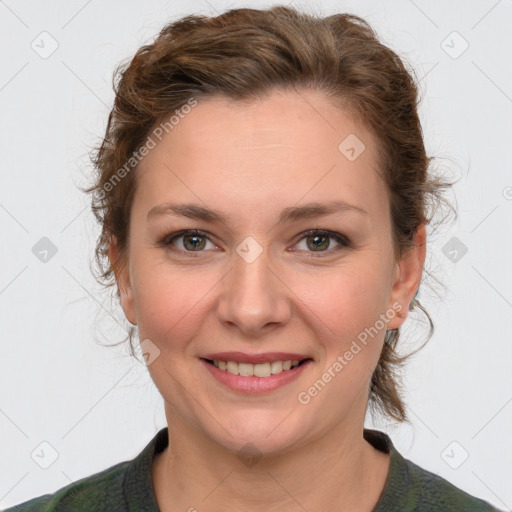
93,406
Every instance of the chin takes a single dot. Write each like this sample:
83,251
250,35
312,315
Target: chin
265,432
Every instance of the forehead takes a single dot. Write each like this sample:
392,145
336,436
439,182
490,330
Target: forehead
288,148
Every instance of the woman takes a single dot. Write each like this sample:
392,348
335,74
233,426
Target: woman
263,192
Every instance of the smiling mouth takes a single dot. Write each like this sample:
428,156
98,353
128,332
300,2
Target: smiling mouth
257,370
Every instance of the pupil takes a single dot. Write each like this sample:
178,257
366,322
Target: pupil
316,238
196,243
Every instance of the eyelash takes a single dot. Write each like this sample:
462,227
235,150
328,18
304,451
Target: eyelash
341,239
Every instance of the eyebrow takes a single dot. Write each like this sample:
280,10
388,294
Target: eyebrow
290,214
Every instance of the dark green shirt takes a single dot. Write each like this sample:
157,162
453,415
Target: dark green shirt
128,486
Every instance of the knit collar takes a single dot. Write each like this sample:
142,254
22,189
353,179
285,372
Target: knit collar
140,495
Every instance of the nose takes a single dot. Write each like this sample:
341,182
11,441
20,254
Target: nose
254,299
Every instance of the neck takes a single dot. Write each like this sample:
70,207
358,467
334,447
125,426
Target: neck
340,467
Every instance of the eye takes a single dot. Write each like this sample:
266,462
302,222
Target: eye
193,240
318,239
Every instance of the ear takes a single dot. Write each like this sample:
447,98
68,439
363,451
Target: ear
407,278
119,265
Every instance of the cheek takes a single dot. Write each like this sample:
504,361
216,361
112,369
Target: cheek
170,302
346,314
345,299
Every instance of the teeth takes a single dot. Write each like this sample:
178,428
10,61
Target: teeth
276,367
257,370
245,369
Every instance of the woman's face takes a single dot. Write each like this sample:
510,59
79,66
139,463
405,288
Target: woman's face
255,283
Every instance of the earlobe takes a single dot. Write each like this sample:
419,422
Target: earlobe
407,278
122,275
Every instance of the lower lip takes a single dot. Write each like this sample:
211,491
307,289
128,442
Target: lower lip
255,385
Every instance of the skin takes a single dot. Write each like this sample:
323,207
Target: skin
250,161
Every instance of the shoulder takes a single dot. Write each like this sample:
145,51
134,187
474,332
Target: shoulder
437,493
410,488
124,486
102,491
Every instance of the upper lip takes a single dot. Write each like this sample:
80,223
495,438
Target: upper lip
265,357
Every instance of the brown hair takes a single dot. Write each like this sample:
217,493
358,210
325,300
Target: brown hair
243,54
